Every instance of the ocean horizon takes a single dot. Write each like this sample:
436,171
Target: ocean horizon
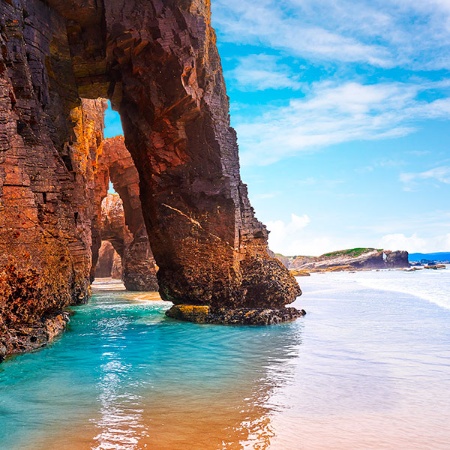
368,367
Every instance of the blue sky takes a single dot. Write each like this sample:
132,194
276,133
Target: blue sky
342,110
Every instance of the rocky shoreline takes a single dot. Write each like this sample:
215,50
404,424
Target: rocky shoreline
30,338
239,316
346,260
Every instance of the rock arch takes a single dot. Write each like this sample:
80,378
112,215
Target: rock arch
157,61
109,264
115,164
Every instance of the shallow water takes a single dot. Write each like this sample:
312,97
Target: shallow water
367,367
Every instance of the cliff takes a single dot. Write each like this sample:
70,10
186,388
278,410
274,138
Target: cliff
351,259
157,62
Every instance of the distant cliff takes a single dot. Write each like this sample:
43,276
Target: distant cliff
350,259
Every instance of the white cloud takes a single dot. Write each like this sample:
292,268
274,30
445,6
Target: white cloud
415,243
424,234
383,33
282,233
309,242
296,237
438,174
260,72
335,113
269,22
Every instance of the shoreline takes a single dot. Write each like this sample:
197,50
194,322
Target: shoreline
336,269
365,358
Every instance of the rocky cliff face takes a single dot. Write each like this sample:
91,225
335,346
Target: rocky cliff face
157,61
105,261
355,259
208,245
48,145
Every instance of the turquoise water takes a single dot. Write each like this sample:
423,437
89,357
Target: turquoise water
124,375
368,367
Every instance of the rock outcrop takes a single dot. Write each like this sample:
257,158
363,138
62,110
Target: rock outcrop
224,316
353,259
48,145
157,61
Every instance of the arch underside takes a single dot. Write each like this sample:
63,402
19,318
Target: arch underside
158,64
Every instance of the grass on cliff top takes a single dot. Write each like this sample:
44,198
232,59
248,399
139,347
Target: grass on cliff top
354,252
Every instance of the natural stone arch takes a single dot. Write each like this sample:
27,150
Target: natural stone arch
157,62
208,245
116,165
109,264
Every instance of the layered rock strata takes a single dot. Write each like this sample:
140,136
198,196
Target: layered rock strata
208,245
137,266
48,147
105,261
157,61
115,164
354,259
223,316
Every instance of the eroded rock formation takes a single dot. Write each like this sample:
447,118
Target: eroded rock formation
352,259
157,61
115,164
105,261
138,269
48,147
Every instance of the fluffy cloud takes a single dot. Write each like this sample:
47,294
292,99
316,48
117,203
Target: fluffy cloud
279,25
415,243
260,72
335,113
282,233
296,237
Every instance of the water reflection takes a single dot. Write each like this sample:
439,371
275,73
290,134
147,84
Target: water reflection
136,380
191,385
121,425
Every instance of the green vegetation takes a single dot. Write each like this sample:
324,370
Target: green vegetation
354,252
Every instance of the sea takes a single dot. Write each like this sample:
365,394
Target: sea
368,367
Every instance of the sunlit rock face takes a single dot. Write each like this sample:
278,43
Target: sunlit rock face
106,256
48,148
157,61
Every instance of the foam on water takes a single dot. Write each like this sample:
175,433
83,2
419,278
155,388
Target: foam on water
427,284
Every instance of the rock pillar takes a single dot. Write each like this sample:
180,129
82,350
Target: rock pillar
170,93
